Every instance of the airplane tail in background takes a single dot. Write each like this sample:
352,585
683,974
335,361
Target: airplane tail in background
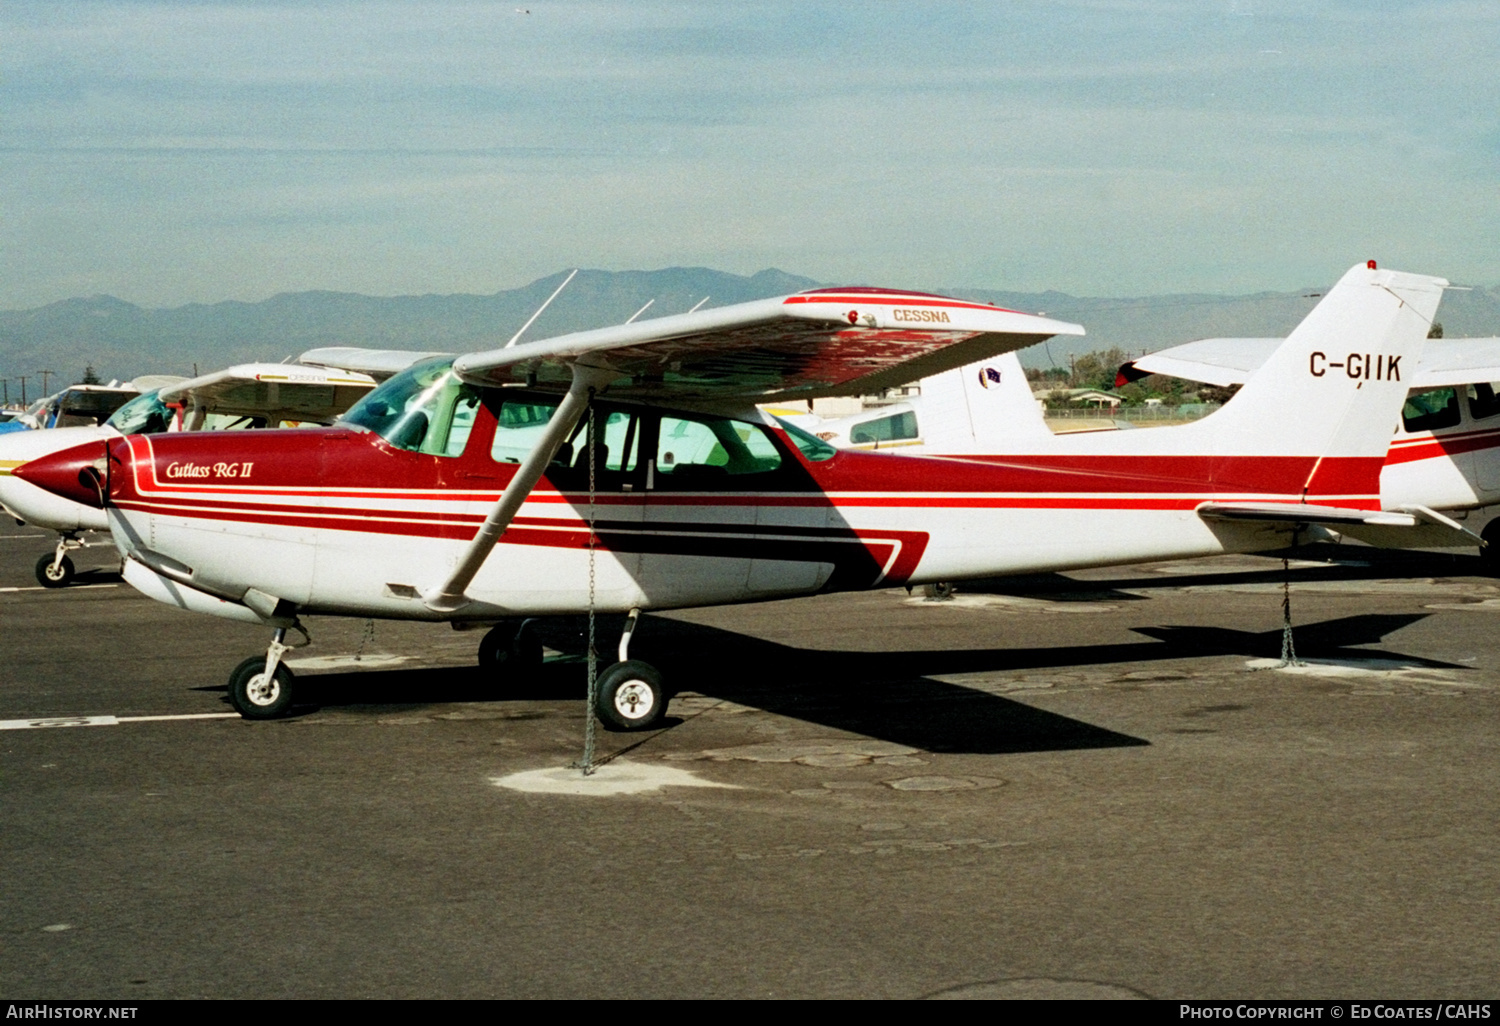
984,407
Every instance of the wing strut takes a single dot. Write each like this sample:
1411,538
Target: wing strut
449,596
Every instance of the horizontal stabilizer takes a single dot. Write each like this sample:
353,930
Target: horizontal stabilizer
1408,527
1303,513
1213,361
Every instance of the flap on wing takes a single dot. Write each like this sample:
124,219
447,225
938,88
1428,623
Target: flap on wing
820,343
378,363
291,391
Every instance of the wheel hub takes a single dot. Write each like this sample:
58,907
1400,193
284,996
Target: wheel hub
263,690
634,700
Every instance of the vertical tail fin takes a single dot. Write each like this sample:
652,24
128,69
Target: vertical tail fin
1334,388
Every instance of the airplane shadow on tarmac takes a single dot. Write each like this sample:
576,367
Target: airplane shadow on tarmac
890,696
1340,563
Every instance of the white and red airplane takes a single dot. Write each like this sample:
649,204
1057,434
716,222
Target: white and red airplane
243,395
474,491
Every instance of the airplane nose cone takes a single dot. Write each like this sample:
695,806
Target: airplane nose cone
77,474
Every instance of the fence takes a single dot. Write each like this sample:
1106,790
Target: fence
1135,414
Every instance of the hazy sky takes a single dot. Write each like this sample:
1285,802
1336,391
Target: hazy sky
173,152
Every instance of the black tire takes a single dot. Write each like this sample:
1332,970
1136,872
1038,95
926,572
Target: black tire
631,696
252,699
510,650
1489,555
61,578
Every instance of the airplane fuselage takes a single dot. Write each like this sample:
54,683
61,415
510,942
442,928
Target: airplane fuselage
344,521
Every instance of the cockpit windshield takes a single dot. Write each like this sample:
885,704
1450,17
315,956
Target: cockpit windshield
143,415
423,409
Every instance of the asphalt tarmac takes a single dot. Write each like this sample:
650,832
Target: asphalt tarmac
1091,784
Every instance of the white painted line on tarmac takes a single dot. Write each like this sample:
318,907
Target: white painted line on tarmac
105,721
59,721
8,537
71,587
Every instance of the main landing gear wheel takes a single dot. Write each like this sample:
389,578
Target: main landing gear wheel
1489,556
631,696
53,572
257,697
510,649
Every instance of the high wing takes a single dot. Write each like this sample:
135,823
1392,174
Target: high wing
275,391
1230,361
825,342
818,343
377,363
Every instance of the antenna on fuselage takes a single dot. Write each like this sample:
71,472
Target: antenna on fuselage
641,310
539,309
700,303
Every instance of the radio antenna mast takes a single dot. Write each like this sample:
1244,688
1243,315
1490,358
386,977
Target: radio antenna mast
539,309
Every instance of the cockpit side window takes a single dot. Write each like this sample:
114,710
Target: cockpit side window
637,447
1432,410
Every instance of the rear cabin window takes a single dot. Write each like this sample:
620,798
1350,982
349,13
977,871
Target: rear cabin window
693,452
1429,411
895,428
1483,401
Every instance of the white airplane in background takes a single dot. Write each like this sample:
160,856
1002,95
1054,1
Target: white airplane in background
79,405
966,411
627,469
248,394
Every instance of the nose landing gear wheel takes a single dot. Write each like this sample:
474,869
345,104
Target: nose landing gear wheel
631,696
52,573
256,697
510,650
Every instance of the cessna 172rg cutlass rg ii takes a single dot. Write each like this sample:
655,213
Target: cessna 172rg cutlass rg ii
467,491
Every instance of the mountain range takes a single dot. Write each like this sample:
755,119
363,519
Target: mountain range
119,339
